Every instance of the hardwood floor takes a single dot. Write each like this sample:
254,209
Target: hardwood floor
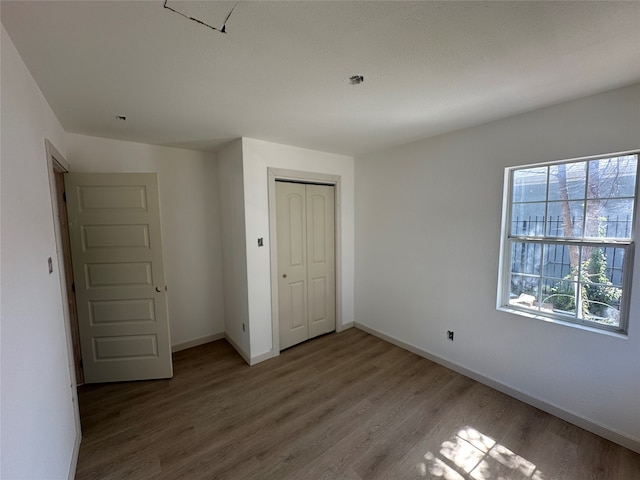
344,406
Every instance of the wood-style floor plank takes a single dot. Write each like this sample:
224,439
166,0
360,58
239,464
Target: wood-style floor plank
343,406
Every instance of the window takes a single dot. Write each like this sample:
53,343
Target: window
568,240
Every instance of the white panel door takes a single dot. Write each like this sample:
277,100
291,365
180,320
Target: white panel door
116,251
291,219
321,286
306,261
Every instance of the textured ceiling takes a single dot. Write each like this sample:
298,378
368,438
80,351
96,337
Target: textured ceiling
281,72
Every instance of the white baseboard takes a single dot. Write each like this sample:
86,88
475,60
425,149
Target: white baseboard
237,348
196,342
261,358
246,357
74,457
345,326
587,424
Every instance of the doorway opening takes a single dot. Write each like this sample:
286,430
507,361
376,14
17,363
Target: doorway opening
305,178
58,166
306,261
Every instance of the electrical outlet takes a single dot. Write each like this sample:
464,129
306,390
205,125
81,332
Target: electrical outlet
450,335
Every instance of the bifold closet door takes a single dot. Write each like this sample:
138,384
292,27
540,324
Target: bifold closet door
305,217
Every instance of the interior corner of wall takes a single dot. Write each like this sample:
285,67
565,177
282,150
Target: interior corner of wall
236,345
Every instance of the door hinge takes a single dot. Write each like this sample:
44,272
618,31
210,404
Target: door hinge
73,287
64,197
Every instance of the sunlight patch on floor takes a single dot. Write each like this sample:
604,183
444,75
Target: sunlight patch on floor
471,455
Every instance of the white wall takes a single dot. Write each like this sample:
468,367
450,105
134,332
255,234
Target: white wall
190,217
38,414
428,231
258,156
234,258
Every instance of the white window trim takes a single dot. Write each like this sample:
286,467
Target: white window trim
504,272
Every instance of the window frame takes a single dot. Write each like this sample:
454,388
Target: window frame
507,239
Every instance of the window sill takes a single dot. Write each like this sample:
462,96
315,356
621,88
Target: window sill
556,321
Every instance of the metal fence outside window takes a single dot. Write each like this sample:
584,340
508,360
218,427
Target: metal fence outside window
556,262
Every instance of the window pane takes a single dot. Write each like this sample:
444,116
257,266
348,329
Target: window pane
524,291
602,298
567,181
559,296
526,258
557,260
612,177
558,225
602,304
614,258
530,185
527,219
609,218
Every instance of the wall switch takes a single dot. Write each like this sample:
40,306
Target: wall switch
260,242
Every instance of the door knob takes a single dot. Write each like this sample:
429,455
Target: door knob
284,275
158,290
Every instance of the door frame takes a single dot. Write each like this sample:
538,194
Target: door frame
56,163
276,174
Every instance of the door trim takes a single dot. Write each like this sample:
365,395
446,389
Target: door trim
57,163
275,174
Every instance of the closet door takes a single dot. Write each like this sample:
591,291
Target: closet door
305,217
321,282
291,218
